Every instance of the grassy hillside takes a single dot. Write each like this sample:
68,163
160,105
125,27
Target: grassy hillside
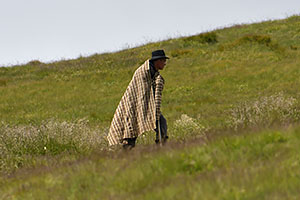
232,104
202,77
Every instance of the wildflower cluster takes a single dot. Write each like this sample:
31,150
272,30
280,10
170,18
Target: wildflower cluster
19,143
188,126
265,111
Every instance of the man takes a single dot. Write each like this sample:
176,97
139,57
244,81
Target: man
139,108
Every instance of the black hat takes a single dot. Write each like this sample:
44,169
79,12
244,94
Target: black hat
158,54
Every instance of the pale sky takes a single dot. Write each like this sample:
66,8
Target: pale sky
50,30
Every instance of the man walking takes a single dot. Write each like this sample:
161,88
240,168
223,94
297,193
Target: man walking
139,108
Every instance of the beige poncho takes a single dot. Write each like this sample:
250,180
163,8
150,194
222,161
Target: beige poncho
138,109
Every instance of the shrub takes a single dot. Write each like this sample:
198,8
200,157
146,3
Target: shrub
293,47
210,38
260,39
187,126
264,40
35,63
19,143
265,111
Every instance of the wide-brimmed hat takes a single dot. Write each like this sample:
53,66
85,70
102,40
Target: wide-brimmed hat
158,54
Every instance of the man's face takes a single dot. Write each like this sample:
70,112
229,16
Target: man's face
160,63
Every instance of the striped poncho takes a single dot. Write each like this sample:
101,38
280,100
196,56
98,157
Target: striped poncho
139,107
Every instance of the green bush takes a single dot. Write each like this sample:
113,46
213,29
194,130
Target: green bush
209,38
264,40
260,39
35,63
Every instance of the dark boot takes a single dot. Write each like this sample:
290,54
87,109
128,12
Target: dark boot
129,143
164,140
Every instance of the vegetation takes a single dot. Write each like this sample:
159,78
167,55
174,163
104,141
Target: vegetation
232,104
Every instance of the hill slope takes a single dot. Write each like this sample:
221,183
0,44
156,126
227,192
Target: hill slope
220,87
202,77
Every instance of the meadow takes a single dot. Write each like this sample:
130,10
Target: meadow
232,104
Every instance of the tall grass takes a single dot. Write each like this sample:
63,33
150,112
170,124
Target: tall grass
265,111
22,145
263,165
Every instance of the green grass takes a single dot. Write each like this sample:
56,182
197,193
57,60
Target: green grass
232,104
245,63
262,165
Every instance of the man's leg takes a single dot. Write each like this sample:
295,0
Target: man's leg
163,129
129,143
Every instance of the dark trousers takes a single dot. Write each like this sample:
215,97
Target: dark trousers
129,143
163,129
